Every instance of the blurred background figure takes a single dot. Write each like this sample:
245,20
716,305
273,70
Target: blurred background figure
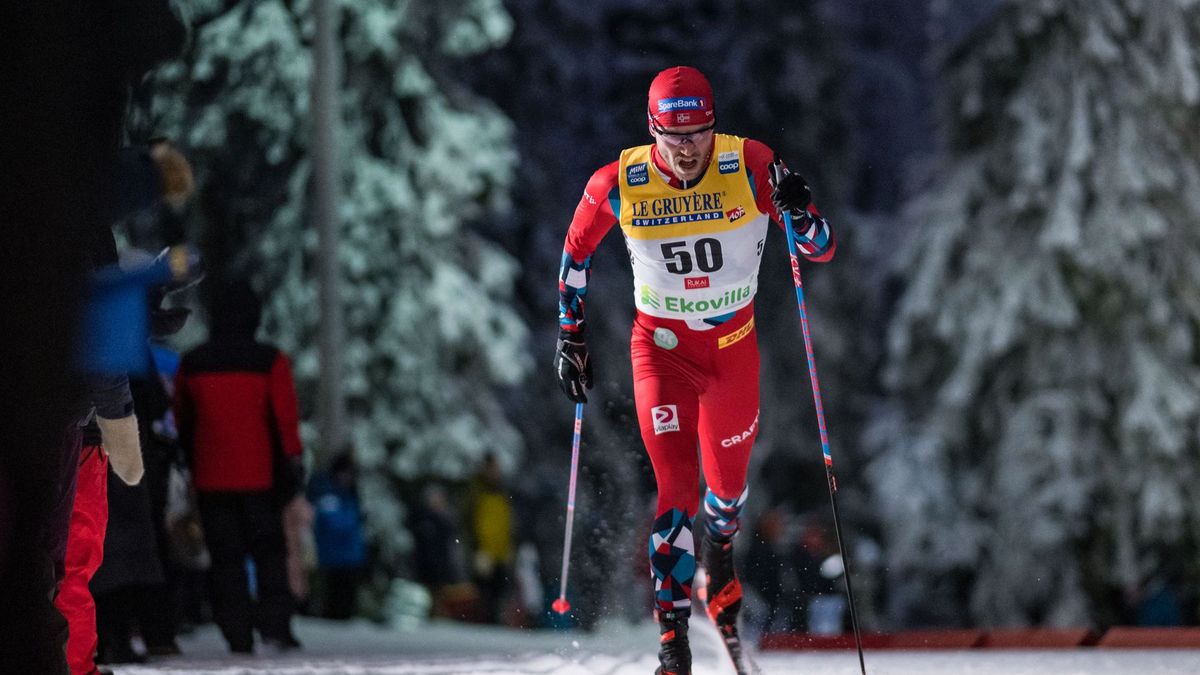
765,569
437,556
129,584
818,568
149,179
238,423
539,531
491,532
188,559
132,586
1163,597
338,533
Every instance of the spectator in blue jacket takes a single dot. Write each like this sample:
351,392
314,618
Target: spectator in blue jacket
338,533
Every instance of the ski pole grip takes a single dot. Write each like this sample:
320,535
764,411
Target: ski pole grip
778,171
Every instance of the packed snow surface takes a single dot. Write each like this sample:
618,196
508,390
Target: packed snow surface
444,648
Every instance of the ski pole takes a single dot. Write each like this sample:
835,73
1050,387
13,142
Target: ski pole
831,480
561,605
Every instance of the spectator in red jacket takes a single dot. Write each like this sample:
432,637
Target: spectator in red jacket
238,422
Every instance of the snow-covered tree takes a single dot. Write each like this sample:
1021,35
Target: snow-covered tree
430,334
1044,358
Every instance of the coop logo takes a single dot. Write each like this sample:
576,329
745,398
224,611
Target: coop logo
635,174
742,437
665,419
735,213
727,162
684,103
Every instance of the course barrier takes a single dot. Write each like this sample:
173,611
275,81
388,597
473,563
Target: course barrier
1117,637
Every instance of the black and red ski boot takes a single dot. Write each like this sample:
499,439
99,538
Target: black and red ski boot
723,596
674,653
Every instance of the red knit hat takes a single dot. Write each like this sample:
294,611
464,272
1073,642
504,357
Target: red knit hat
680,97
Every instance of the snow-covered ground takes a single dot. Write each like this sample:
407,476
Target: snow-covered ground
444,648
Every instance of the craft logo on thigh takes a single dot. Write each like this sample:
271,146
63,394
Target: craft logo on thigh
748,433
665,419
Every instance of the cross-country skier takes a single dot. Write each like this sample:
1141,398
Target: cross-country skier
693,207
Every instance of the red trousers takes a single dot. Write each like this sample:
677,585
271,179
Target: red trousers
696,387
85,550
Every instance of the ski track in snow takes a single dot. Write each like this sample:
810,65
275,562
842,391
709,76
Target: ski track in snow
447,648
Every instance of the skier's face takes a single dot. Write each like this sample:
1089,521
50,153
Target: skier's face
684,149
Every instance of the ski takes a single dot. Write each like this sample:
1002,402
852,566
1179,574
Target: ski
742,663
729,636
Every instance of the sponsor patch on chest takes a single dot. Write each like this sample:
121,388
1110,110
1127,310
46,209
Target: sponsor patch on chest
728,162
636,174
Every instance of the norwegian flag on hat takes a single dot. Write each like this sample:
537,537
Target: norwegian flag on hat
680,97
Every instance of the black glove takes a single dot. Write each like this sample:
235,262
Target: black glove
791,193
573,365
165,321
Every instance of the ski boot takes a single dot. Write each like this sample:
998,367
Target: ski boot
723,597
674,653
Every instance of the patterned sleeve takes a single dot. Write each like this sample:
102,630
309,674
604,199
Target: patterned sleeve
814,236
594,217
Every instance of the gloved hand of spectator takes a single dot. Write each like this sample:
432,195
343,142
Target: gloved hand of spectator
791,193
186,265
573,365
165,321
176,172
120,440
290,478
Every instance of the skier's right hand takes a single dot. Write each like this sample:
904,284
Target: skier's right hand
573,365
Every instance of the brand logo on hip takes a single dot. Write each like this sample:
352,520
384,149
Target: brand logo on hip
665,419
727,162
635,174
665,338
737,335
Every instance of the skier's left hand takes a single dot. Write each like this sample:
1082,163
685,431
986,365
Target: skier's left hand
791,193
